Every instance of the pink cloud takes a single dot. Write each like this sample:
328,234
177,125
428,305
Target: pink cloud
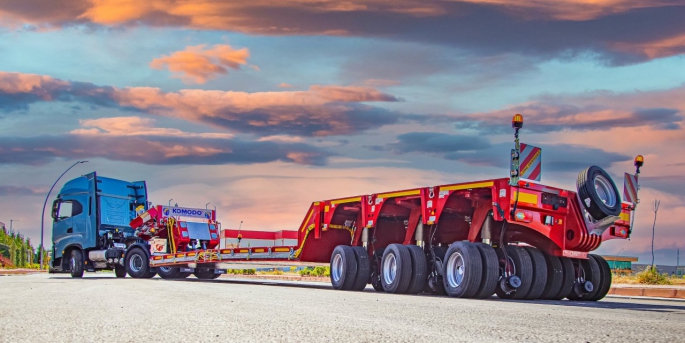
198,64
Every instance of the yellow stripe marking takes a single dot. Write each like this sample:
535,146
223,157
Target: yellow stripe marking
281,250
258,250
346,200
309,216
467,186
399,194
525,197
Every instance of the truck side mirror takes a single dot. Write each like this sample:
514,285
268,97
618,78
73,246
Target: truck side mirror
55,209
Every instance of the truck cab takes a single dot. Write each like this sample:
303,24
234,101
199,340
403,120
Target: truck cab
90,229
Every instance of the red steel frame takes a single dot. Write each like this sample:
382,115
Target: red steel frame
448,213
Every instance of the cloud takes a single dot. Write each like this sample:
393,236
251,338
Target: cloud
620,31
592,111
154,150
437,142
135,126
318,111
196,64
285,85
20,190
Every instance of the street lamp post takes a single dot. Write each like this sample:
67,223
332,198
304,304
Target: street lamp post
42,216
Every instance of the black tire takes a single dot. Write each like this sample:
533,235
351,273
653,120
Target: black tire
590,269
605,276
463,270
205,273
120,271
568,278
435,284
361,279
419,273
589,196
168,272
539,273
490,271
555,277
398,255
138,265
76,263
184,275
343,267
523,269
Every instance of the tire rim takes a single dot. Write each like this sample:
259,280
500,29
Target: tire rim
73,263
605,191
389,269
136,263
455,270
337,268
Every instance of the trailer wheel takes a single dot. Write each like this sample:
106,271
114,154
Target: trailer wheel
568,279
518,264
555,277
168,272
419,273
184,275
76,263
138,264
343,267
120,271
205,273
589,271
396,269
463,270
490,271
361,279
605,276
598,193
539,273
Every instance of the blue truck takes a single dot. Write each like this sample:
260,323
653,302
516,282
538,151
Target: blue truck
91,228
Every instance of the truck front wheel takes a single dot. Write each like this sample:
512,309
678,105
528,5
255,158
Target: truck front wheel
138,264
120,271
76,263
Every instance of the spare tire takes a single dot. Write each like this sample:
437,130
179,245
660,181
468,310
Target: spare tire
598,193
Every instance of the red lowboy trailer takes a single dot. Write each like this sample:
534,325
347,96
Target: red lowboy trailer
512,237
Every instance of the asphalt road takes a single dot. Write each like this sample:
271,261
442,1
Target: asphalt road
101,308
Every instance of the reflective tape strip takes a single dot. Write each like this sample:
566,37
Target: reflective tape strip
531,162
630,188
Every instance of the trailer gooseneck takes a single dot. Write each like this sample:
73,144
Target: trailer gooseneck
512,237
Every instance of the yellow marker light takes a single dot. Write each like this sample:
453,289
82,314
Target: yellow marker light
639,161
517,121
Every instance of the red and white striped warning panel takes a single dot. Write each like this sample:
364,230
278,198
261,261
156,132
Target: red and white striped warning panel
630,188
531,162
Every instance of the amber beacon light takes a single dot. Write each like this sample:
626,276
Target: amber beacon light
517,121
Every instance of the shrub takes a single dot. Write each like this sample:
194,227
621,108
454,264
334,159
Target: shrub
651,276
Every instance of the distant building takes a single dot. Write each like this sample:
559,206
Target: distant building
670,270
620,264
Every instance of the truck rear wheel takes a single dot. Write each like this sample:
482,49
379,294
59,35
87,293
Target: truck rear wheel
604,283
343,267
396,269
588,271
463,270
120,271
518,264
76,263
138,264
539,273
568,279
205,273
361,279
555,277
168,272
419,274
490,271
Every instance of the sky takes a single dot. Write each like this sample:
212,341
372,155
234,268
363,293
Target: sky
261,107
